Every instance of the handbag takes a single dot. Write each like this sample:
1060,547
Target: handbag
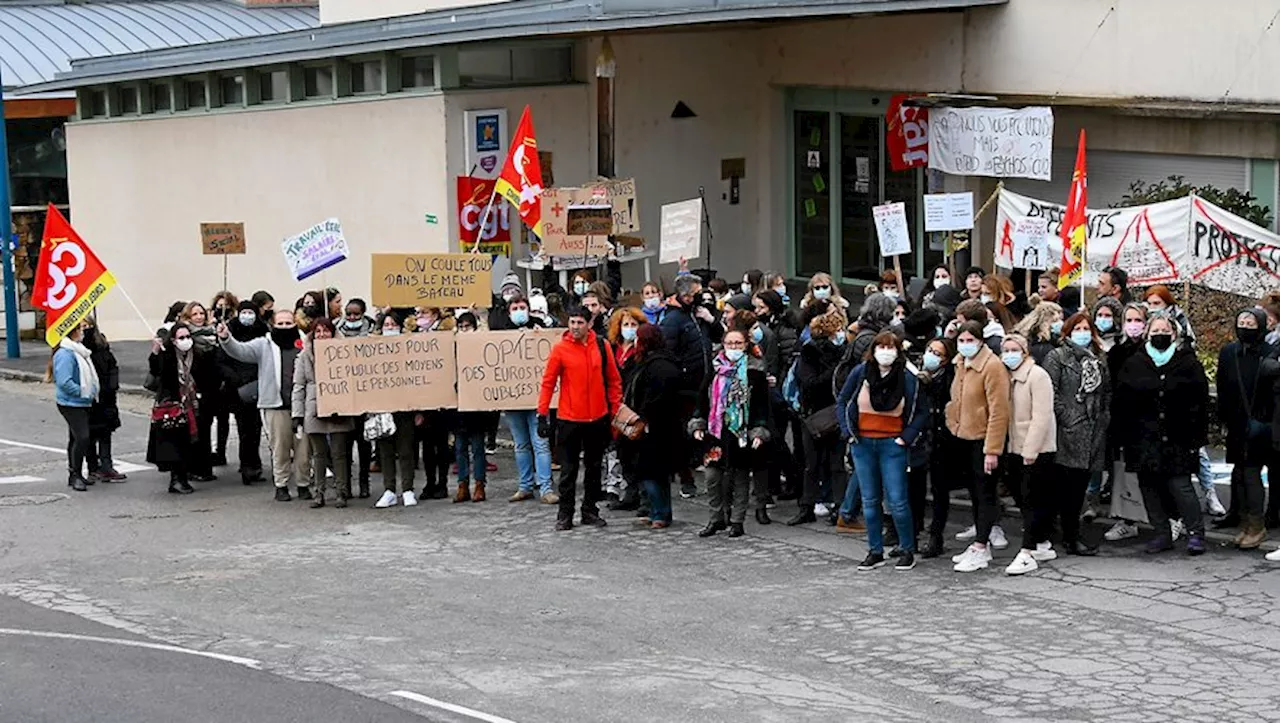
171,416
248,393
822,422
379,426
628,423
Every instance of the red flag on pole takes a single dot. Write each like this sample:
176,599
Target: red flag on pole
70,280
1075,224
521,179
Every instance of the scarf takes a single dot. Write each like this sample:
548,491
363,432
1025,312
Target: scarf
186,385
204,337
886,390
729,399
88,375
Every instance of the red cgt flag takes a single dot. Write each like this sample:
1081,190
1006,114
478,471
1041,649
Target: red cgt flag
1074,223
521,179
70,280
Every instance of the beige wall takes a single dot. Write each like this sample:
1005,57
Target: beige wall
342,11
140,189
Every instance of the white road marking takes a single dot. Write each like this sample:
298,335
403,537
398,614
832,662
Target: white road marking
460,710
28,445
247,662
130,468
20,479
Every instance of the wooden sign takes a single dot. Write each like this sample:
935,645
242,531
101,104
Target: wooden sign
503,369
432,280
589,221
221,239
403,373
556,240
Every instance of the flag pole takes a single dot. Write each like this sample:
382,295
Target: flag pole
151,331
13,350
484,220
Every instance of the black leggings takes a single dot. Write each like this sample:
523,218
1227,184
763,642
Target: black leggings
1071,485
436,452
917,487
77,437
949,469
1036,496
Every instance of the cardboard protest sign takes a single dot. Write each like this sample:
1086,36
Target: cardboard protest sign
218,239
997,142
948,211
404,373
681,232
315,249
622,196
891,228
432,279
556,237
503,369
1031,245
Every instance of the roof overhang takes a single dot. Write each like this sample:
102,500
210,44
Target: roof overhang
1151,107
500,21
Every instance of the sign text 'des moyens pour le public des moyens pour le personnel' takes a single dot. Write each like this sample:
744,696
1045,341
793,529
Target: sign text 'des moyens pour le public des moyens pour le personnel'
432,280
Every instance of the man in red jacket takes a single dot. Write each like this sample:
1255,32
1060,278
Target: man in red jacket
590,393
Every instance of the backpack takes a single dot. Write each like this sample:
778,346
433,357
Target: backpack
791,388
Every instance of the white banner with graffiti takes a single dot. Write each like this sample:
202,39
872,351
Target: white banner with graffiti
1183,239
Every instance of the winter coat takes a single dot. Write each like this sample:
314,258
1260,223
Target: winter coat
773,365
583,376
1040,350
173,449
914,409
305,404
689,343
1163,413
788,340
814,371
1081,405
1033,426
1240,367
266,356
654,391
979,406
733,454
104,415
66,379
1116,360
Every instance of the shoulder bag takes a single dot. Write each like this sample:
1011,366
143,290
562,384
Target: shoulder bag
626,422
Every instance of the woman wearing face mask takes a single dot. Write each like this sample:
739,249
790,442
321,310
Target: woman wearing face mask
176,366
209,390
822,288
578,286
309,308
1106,320
1133,339
879,411
533,453
1082,410
468,441
328,436
1163,402
240,380
777,282
937,372
939,277
1030,455
104,415
355,320
732,425
396,452
431,427
651,388
653,302
752,282
1159,298
622,490
224,306
78,388
1244,410
978,417
1042,328
824,479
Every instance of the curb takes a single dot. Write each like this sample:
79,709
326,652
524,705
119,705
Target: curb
34,378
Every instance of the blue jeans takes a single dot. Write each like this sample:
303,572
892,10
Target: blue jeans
1205,474
881,465
468,447
659,492
852,493
532,452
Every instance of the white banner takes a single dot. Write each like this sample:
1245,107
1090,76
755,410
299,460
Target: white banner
1227,253
997,142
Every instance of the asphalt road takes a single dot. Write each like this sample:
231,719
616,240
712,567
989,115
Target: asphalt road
482,612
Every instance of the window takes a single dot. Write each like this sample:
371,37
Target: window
273,86
231,87
161,100
195,94
97,103
128,100
522,66
317,81
417,71
366,76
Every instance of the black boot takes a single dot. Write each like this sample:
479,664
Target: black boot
804,516
1272,517
735,530
762,517
932,548
76,482
178,484
304,493
711,529
1231,519
282,494
629,501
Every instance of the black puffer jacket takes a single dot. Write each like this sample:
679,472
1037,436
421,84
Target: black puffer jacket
1239,379
689,344
814,370
1163,413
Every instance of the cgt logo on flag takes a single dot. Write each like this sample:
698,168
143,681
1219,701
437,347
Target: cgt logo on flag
70,280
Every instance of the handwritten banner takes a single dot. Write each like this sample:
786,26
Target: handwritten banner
503,369
997,142
222,238
680,235
359,375
556,205
891,228
315,249
432,279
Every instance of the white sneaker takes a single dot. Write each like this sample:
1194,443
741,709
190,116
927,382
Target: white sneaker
1044,552
1273,556
967,533
1213,503
1177,529
820,510
1022,564
409,500
998,540
388,499
973,559
1121,531
961,556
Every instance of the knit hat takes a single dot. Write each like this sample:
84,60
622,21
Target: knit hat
741,302
922,323
510,282
947,298
537,302
1020,340
975,270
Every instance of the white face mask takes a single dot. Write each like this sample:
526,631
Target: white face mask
985,298
822,294
391,332
183,345
746,288
891,293
247,318
652,302
941,281
579,287
885,357
733,355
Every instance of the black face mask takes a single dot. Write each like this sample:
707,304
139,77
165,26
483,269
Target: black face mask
1247,335
285,338
311,310
1160,342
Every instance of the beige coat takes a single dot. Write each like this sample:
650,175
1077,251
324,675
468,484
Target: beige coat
979,406
1033,430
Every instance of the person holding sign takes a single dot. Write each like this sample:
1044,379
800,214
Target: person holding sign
533,453
398,448
468,440
328,437
590,393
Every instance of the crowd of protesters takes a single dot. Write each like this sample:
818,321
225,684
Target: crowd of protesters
856,418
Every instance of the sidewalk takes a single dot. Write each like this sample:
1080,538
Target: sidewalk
130,355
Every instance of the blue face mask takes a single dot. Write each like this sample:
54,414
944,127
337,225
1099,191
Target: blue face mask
968,350
1160,357
1056,328
820,294
932,361
757,334
1081,337
629,333
1104,323
1011,359
520,316
652,302
733,355
838,338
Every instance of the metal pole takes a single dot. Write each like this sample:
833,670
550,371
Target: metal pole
13,349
